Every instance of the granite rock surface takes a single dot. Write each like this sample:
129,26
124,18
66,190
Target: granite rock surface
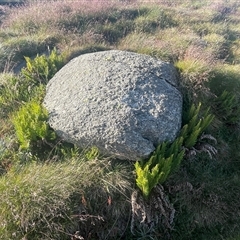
124,103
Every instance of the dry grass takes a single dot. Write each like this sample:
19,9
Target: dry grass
57,15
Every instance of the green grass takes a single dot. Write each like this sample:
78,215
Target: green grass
63,190
47,201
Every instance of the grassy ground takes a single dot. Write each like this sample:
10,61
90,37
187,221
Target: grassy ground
60,191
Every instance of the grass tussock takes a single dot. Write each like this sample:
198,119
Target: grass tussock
52,190
55,200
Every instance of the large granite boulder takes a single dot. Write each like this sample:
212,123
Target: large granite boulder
122,102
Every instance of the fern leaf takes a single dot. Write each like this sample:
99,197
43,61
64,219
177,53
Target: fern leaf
176,161
184,131
166,169
192,139
206,121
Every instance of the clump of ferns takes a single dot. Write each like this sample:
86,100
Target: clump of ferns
226,107
167,157
195,140
153,207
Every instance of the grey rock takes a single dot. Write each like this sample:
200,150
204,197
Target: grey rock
122,102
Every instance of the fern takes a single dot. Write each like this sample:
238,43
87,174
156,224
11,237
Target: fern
30,83
227,108
176,161
30,124
206,120
192,131
165,168
168,156
92,153
42,68
165,160
191,140
147,178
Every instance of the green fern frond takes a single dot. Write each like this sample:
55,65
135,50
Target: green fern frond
42,68
176,161
166,168
168,156
30,124
192,139
227,107
206,121
184,131
165,159
193,111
